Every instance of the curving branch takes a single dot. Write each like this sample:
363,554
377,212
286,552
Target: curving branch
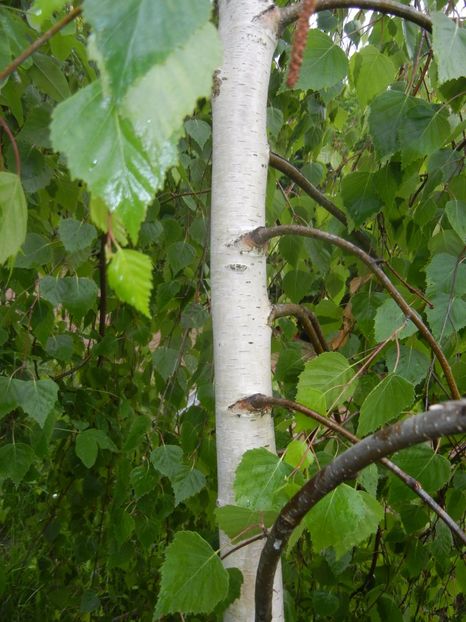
308,321
261,402
39,42
447,418
291,13
261,235
14,145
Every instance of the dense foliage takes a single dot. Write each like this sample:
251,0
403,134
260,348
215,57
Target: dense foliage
107,444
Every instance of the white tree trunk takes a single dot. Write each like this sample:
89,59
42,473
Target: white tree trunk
240,305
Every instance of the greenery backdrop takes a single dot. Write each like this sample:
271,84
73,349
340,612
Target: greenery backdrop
107,450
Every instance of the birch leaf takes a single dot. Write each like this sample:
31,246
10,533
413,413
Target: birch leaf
13,215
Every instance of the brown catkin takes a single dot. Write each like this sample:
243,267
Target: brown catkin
299,41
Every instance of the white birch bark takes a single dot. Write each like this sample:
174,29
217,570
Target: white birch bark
240,305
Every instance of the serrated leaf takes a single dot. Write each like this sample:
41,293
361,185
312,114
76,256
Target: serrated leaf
350,516
193,579
235,581
297,284
408,362
15,461
130,275
167,459
446,274
47,74
180,255
75,235
324,63
260,478
389,319
298,455
429,468
448,315
165,360
186,483
449,45
175,84
372,72
102,149
331,375
36,397
360,196
76,294
456,212
35,252
242,523
88,443
199,131
13,215
134,35
385,402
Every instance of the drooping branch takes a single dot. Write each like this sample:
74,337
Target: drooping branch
14,145
283,165
261,235
447,418
308,321
261,402
39,42
291,13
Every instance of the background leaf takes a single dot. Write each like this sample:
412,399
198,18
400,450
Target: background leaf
13,215
130,275
385,402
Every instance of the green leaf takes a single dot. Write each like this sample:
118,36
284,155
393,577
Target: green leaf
180,255
298,455
35,252
165,361
46,72
89,602
449,44
426,466
130,275
193,579
408,362
297,284
448,315
259,480
42,10
60,347
167,459
385,402
350,516
235,578
138,428
456,212
360,196
76,294
241,523
13,215
134,35
331,375
102,149
199,131
389,318
412,125
175,85
75,235
88,443
446,274
36,397
371,72
324,63
15,461
186,483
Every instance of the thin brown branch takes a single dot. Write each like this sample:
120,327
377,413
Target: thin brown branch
103,285
261,235
73,370
414,290
38,43
291,13
308,321
448,418
14,145
259,402
261,536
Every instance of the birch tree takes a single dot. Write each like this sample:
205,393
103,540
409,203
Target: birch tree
331,173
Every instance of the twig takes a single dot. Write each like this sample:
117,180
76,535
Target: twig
307,319
73,370
259,402
14,145
261,536
38,43
448,418
291,13
103,285
261,235
370,575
